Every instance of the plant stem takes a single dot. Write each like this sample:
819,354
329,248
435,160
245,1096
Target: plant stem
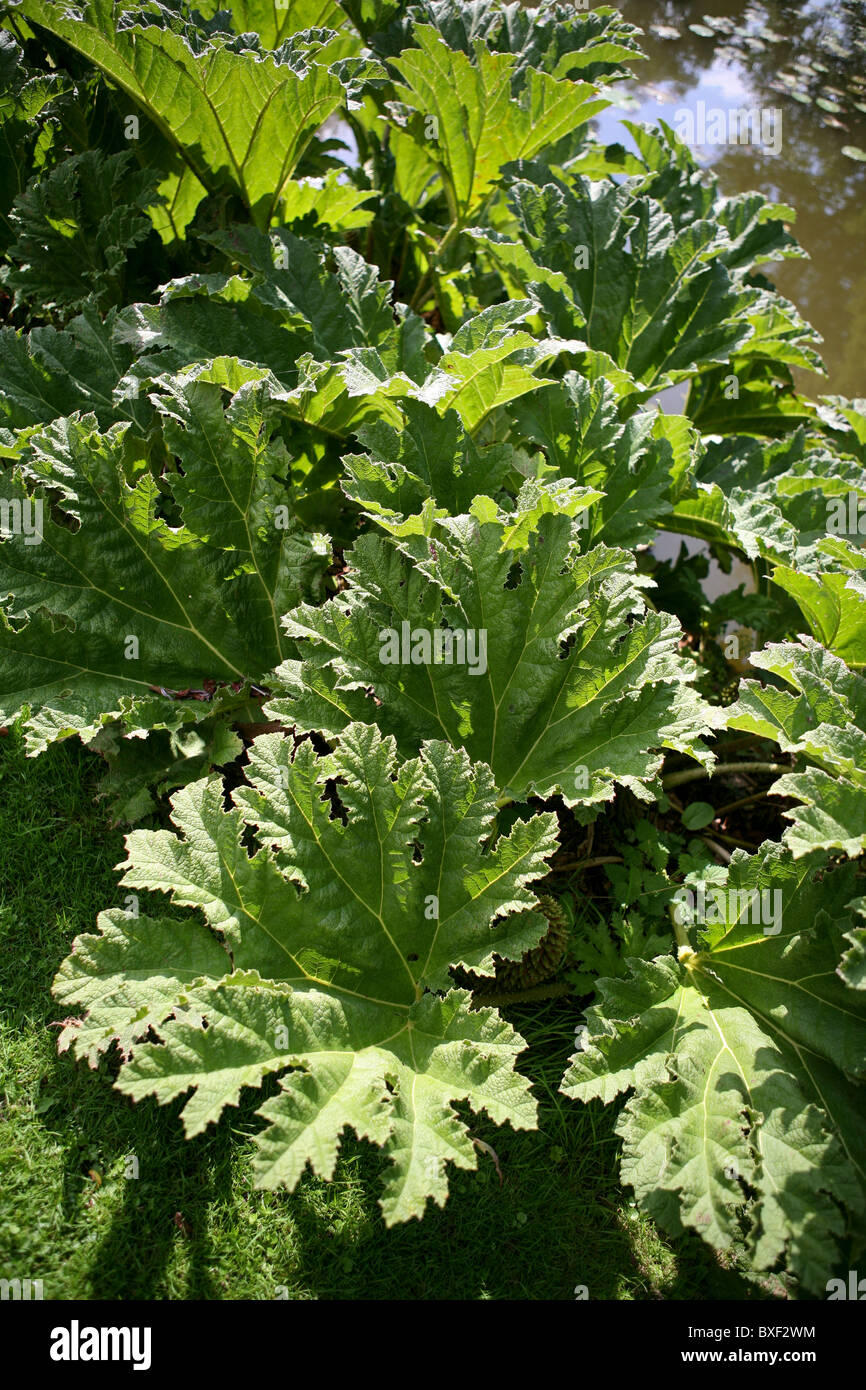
697,774
417,300
424,284
724,854
738,844
399,276
742,801
586,863
680,932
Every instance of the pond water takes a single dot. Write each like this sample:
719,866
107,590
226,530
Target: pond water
783,57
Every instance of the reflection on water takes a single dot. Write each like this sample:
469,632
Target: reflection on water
789,56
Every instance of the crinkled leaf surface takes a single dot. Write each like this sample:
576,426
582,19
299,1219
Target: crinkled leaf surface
852,966
488,363
844,422
822,717
777,499
112,601
640,464
608,265
51,372
25,100
145,765
562,683
343,352
555,39
689,191
274,21
279,307
319,957
237,118
431,459
745,1061
76,228
748,396
478,125
832,601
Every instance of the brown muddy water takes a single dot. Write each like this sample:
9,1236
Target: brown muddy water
807,61
801,66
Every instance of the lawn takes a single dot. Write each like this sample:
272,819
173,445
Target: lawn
190,1225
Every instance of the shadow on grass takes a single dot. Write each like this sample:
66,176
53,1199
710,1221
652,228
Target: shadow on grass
557,1224
190,1224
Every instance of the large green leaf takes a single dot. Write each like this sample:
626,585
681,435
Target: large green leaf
833,601
430,460
562,682
758,229
473,123
106,600
745,1059
823,718
609,265
333,338
774,499
748,396
238,119
274,21
329,339
555,38
144,765
51,372
76,229
844,422
640,464
282,297
488,363
320,957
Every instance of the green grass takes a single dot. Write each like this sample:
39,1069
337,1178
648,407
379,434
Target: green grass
190,1225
